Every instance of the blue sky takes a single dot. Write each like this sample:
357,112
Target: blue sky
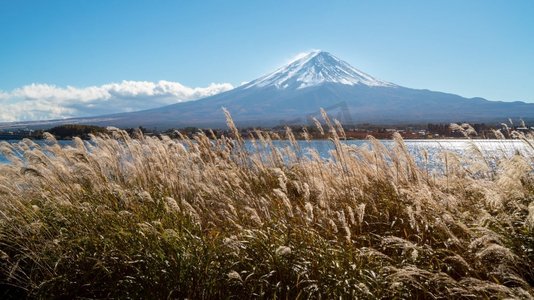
472,48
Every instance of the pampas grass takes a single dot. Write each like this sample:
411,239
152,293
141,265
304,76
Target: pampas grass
206,218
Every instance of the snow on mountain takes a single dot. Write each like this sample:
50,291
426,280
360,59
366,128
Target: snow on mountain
315,68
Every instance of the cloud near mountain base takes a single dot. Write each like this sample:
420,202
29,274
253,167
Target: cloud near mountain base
44,101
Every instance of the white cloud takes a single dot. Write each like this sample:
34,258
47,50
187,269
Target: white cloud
44,101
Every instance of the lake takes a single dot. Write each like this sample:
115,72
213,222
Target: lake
491,148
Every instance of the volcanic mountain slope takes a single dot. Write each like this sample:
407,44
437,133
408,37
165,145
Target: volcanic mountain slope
293,93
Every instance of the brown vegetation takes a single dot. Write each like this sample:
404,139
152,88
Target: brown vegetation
205,218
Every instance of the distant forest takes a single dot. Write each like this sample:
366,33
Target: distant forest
360,131
75,130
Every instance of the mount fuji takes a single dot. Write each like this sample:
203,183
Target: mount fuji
295,92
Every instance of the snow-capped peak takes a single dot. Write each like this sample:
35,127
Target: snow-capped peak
314,68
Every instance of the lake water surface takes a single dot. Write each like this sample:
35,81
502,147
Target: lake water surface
463,147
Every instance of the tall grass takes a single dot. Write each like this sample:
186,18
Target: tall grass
206,218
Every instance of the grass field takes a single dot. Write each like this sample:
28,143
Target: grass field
206,219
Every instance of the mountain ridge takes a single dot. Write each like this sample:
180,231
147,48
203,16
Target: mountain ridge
294,92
